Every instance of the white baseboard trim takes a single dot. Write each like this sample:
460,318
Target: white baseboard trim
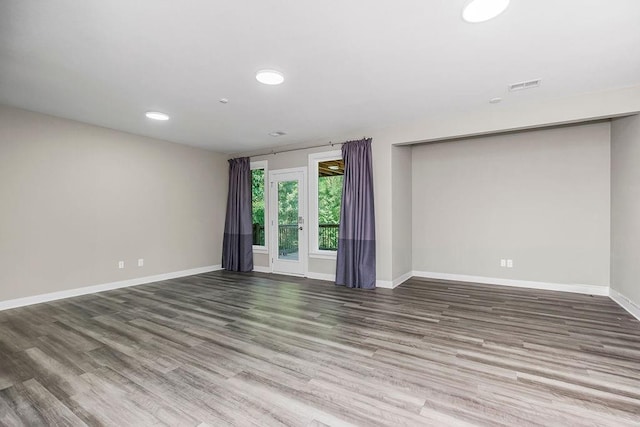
387,284
53,296
332,278
575,288
625,303
400,280
384,284
391,284
321,276
261,269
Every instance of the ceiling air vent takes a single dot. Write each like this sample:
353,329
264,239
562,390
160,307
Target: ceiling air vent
529,84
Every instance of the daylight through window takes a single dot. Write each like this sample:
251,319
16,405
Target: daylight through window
330,174
258,206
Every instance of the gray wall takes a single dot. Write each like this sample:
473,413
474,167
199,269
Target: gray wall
541,198
401,213
77,198
625,207
491,118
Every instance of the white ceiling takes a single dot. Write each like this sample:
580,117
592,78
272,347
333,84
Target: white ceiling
349,65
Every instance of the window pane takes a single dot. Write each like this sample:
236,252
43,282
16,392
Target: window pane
257,206
330,174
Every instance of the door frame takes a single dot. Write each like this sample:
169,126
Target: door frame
303,241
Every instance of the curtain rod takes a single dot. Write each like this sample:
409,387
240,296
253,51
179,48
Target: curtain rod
274,152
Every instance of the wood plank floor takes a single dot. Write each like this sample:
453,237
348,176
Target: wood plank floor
229,349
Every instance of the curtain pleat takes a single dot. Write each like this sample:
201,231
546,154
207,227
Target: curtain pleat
356,258
237,245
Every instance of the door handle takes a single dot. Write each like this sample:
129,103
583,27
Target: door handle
299,228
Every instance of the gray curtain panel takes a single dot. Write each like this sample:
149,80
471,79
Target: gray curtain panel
356,259
237,245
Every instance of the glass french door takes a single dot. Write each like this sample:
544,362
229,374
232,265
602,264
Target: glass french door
288,212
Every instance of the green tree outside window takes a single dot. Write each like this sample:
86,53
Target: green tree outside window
257,206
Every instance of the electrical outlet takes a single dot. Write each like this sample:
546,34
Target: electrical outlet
140,262
503,263
509,263
120,264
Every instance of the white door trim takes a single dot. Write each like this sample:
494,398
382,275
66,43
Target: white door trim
314,160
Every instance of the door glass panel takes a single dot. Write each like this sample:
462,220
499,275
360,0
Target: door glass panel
288,220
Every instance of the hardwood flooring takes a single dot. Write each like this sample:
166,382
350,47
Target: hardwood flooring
230,349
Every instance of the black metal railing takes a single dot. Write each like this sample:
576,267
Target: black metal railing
328,237
288,237
258,234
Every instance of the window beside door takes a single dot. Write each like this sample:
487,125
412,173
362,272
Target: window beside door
258,205
327,172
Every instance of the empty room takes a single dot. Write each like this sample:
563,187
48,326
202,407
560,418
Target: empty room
365,213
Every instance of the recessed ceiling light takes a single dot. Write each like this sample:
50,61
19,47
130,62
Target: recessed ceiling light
483,10
223,100
277,133
495,100
156,115
270,77
334,167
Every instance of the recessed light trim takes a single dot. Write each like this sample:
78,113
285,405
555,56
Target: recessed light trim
495,100
270,77
156,115
483,10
